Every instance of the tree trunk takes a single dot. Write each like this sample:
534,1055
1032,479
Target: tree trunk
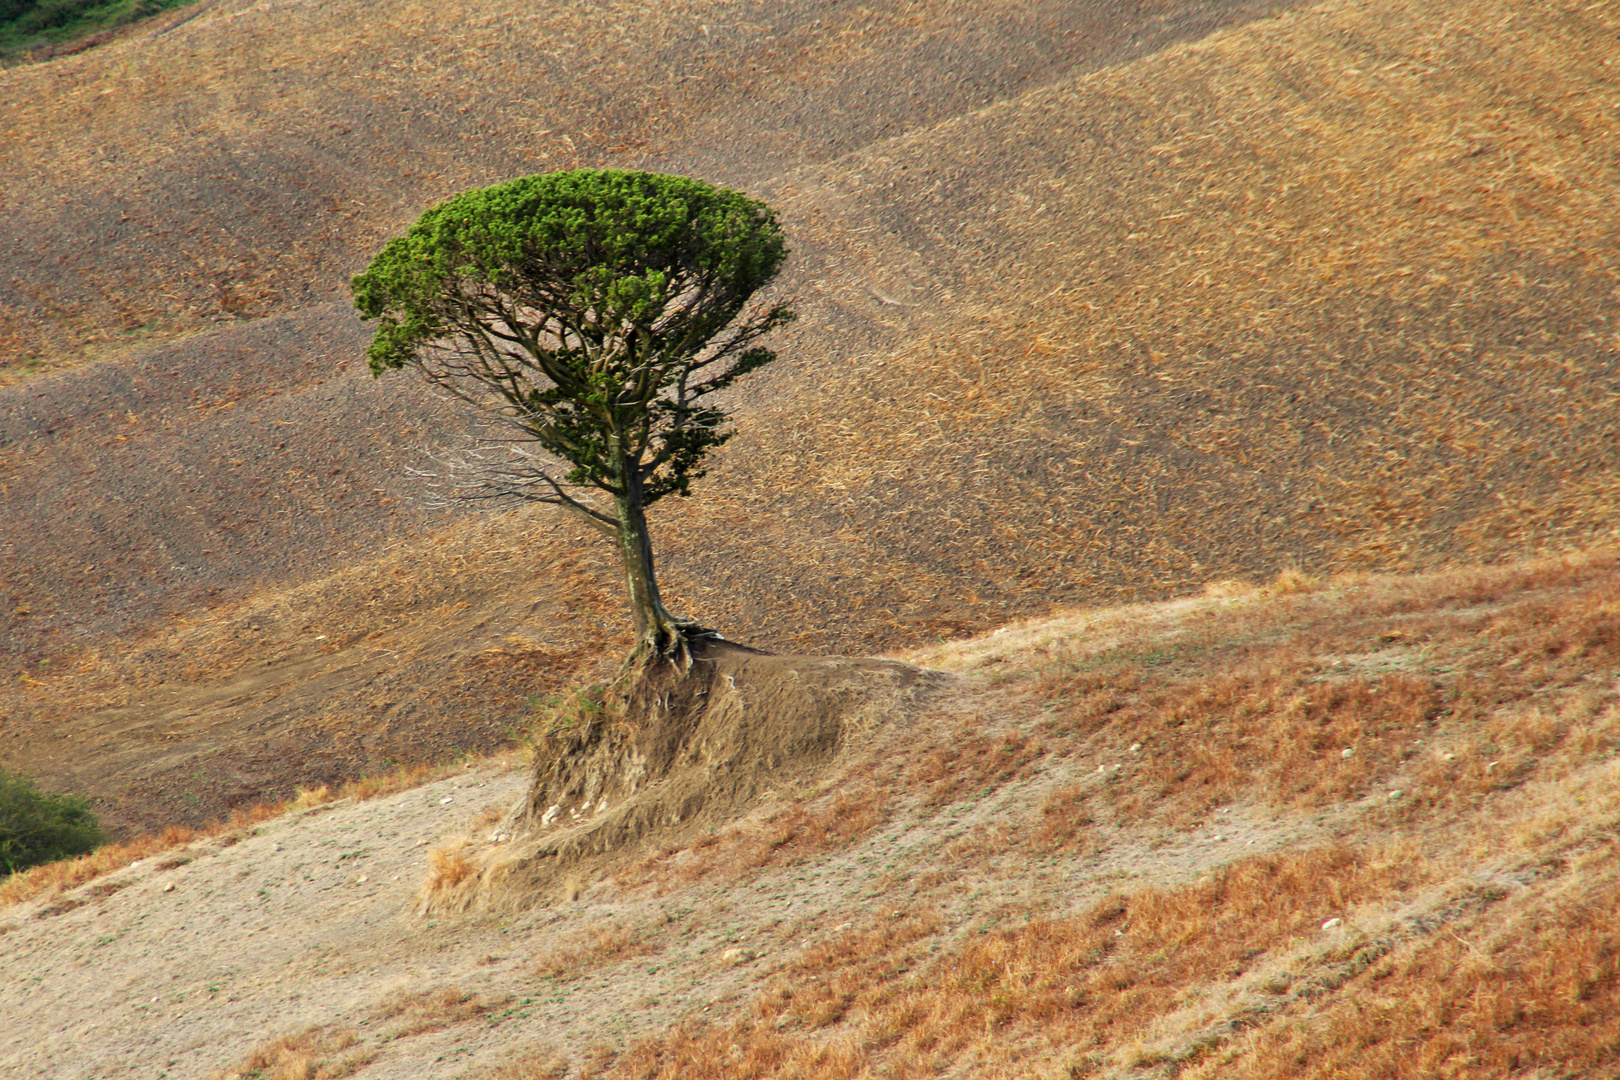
658,633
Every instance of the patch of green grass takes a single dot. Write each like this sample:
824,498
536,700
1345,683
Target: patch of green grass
32,27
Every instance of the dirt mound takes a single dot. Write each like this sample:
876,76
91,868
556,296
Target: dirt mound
673,752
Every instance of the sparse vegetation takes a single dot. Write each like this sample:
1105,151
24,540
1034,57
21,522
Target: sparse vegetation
592,947
416,1012
1331,298
67,873
1526,992
316,1053
1009,907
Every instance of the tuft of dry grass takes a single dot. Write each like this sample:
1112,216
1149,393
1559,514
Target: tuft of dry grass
449,870
543,1064
416,1012
603,943
1291,581
315,1053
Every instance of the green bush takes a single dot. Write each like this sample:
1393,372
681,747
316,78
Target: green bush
27,25
38,828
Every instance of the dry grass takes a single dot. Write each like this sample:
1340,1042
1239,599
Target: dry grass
533,1065
1456,687
452,870
777,837
971,762
416,1012
1533,990
1020,1000
1289,581
1066,822
1283,736
1250,702
315,1053
604,943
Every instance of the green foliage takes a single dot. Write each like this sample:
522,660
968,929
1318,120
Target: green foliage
38,828
30,25
596,310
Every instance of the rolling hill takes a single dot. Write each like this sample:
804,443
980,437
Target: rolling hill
1096,305
1206,409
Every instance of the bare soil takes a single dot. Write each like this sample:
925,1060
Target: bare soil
1015,874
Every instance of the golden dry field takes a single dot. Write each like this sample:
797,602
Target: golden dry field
1210,406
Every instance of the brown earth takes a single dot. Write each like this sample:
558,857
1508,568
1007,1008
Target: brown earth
1087,316
1359,829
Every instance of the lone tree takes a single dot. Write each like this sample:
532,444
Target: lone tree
595,312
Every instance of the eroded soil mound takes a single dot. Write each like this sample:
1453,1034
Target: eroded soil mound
675,751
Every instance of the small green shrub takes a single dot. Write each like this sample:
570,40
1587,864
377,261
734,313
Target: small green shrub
39,828
27,26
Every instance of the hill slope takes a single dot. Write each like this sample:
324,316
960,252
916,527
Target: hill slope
1365,830
1333,288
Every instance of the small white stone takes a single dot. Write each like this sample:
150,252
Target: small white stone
1395,794
1219,838
361,880
1332,924
169,887
447,800
1135,746
1347,751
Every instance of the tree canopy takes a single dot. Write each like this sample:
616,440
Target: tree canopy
596,313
